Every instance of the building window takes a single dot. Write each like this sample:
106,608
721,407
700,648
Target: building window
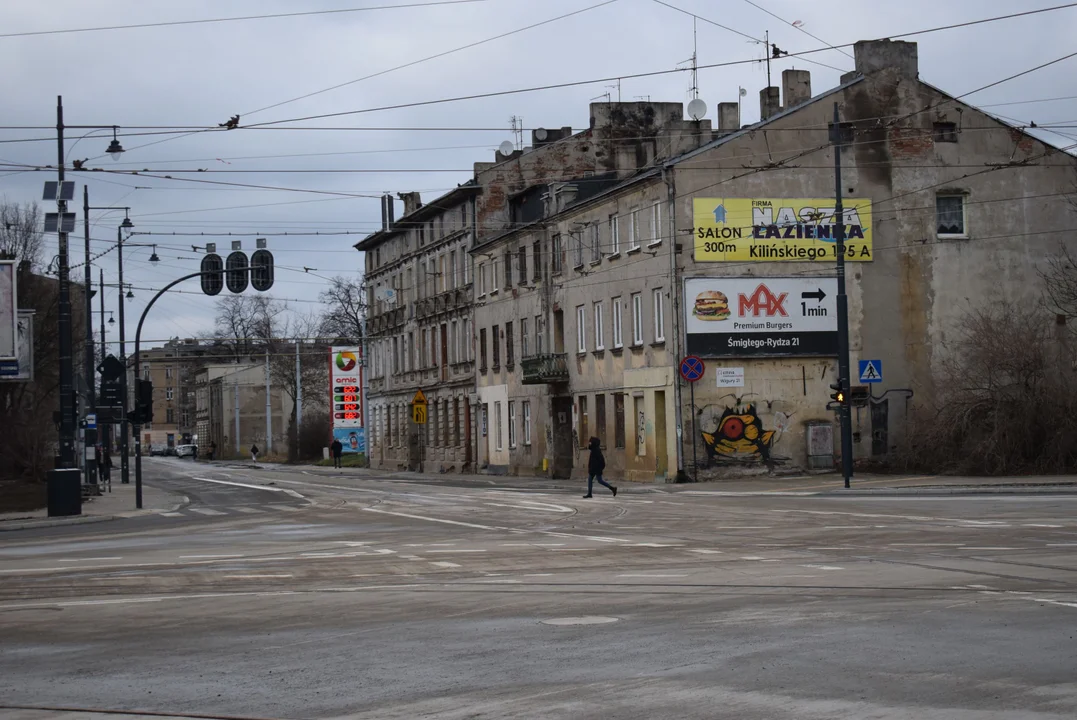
170,416
168,373
527,422
465,262
495,337
659,318
452,270
585,435
538,334
615,235
945,132
482,279
618,339
600,419
508,269
510,355
596,242
656,223
950,216
536,261
146,372
556,256
467,340
482,350
523,338
186,415
497,426
637,319
424,341
600,335
521,265
619,420
577,249
633,230
512,425
581,329
454,342
456,421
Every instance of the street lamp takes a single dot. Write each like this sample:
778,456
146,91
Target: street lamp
114,148
125,225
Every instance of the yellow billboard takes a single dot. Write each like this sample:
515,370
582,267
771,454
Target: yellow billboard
779,229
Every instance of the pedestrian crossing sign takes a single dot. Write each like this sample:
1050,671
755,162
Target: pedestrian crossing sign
871,371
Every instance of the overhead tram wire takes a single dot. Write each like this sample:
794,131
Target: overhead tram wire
798,27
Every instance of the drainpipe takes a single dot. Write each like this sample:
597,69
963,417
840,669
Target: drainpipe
675,306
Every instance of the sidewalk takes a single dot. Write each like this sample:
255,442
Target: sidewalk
120,503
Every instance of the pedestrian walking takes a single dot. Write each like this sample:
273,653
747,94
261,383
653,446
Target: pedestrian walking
105,466
254,453
212,449
337,448
595,465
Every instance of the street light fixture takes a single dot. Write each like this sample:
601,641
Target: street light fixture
111,320
114,148
154,258
130,294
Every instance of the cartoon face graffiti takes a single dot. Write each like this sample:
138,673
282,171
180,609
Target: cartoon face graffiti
739,437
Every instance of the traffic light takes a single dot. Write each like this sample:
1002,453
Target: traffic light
838,397
262,270
237,273
212,284
144,401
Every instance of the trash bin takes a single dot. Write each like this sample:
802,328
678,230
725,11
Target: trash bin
65,492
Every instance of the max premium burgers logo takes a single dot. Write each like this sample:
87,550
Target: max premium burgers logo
714,305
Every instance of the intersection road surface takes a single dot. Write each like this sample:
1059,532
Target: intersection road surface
330,596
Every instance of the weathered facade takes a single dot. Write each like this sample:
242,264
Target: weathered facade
418,279
223,390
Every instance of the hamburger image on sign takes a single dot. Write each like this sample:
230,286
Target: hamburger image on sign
711,305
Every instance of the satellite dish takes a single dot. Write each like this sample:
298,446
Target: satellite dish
541,134
506,148
697,109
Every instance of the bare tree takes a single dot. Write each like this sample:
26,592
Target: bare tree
20,232
345,303
244,324
1060,282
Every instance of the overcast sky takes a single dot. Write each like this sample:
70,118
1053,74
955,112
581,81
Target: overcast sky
199,75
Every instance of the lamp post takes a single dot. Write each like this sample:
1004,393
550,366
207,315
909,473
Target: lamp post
125,477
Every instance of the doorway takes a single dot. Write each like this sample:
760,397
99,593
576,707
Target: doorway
880,426
562,438
661,452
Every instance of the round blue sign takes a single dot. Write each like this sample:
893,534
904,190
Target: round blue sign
692,368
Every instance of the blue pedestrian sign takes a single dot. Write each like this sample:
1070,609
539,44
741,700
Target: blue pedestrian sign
871,371
692,368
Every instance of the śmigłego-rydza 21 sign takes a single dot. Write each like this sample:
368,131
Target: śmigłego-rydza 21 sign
779,230
754,317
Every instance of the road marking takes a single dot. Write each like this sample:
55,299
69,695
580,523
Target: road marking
1055,602
705,551
455,550
207,557
537,507
78,560
927,544
251,577
433,519
248,510
744,527
646,575
285,508
171,514
823,567
206,511
268,488
1061,544
751,557
445,564
1039,525
658,545
410,557
989,548
539,575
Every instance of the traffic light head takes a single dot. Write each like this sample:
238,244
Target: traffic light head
839,394
262,270
214,282
144,400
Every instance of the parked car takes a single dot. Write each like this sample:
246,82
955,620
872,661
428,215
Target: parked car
185,450
158,450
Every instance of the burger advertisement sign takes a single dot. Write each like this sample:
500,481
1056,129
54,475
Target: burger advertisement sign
761,316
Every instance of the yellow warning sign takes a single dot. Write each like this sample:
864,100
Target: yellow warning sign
419,398
418,413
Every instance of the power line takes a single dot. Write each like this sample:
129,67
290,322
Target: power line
205,21
798,27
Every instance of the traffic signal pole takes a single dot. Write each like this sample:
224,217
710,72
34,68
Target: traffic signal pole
844,406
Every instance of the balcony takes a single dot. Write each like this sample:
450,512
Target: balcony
545,369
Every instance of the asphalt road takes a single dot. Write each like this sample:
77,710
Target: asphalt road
377,598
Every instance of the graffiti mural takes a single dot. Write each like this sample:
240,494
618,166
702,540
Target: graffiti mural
737,434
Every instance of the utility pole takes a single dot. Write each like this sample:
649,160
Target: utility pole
269,412
844,407
236,387
88,364
125,477
298,398
67,369
106,444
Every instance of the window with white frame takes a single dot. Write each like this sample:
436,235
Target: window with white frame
656,223
527,422
659,317
168,372
600,335
618,338
581,329
454,343
950,216
452,270
482,279
497,426
467,340
633,230
524,339
615,235
512,425
577,249
595,233
556,254
169,393
493,277
637,319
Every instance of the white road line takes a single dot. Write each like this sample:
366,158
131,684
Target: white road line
433,519
705,551
658,545
823,567
455,550
1039,525
268,488
989,548
248,510
171,514
206,511
252,577
285,508
90,559
751,557
645,575
445,564
559,509
927,544
207,557
1055,602
1061,544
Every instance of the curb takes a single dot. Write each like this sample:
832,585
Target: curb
57,522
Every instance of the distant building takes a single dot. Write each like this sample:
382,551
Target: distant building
172,369
225,390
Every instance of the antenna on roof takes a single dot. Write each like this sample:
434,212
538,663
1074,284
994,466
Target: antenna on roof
517,131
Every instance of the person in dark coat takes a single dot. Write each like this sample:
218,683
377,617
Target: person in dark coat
254,453
105,466
337,449
595,465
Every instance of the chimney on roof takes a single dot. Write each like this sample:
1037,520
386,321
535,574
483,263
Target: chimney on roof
770,103
796,87
896,55
728,117
387,210
412,202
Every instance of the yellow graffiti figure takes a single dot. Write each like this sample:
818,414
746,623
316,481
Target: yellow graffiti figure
739,437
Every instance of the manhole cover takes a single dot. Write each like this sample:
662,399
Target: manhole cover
587,620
